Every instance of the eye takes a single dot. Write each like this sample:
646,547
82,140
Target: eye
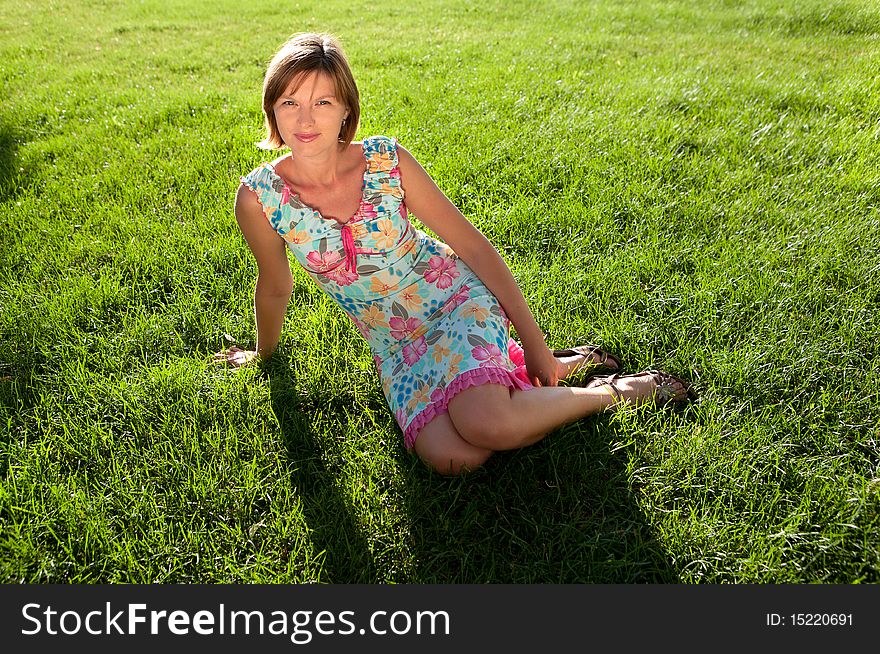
323,102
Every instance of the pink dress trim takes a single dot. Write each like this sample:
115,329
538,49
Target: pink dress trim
518,379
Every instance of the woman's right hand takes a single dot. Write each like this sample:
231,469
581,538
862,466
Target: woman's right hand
235,356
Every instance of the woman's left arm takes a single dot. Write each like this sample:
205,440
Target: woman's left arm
430,205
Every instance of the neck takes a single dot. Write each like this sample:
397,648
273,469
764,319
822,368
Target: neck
318,170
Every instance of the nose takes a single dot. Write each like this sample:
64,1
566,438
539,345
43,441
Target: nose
305,116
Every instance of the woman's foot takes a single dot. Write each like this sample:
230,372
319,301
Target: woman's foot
585,358
650,386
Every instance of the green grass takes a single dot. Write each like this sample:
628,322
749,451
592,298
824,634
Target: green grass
695,186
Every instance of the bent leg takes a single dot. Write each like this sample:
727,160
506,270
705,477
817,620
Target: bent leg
495,417
441,447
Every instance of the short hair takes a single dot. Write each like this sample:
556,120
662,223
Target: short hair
300,55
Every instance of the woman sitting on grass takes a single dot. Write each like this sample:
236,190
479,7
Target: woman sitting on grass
436,314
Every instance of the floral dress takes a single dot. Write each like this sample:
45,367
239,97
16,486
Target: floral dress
433,327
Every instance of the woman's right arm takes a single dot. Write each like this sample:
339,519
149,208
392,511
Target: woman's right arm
274,281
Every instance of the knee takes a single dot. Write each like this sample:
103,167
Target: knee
494,432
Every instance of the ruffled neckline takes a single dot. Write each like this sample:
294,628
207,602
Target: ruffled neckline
288,192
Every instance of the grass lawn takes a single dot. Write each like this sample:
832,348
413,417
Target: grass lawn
693,185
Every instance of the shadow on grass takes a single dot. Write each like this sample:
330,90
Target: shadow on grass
23,370
562,511
9,173
329,516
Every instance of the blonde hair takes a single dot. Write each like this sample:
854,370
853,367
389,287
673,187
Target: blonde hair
300,55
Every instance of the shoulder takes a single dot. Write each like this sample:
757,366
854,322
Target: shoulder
257,179
258,194
250,197
264,183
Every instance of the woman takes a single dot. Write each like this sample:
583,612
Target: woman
435,313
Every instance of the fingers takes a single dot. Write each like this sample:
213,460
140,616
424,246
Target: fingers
546,381
234,356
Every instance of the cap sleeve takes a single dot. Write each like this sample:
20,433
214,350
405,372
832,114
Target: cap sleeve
381,153
268,188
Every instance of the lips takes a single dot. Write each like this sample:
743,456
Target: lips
306,138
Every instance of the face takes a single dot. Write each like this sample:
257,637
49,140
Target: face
309,115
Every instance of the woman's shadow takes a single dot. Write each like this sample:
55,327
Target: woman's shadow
11,173
334,531
562,511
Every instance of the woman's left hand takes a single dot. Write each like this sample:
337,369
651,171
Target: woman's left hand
235,356
542,366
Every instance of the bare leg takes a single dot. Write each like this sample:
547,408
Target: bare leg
441,447
494,417
567,365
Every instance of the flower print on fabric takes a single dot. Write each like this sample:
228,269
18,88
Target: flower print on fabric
379,160
382,284
456,299
476,312
341,276
296,238
488,354
414,351
358,230
453,370
387,235
408,247
442,349
421,396
388,185
323,261
367,210
441,271
410,297
403,328
329,266
373,317
433,327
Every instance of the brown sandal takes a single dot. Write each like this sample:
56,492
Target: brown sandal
588,351
665,393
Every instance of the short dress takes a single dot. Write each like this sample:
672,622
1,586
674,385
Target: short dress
433,327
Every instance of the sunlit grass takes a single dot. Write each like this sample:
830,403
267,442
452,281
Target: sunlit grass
693,185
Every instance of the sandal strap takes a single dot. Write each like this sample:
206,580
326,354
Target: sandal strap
579,350
588,351
664,391
608,382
